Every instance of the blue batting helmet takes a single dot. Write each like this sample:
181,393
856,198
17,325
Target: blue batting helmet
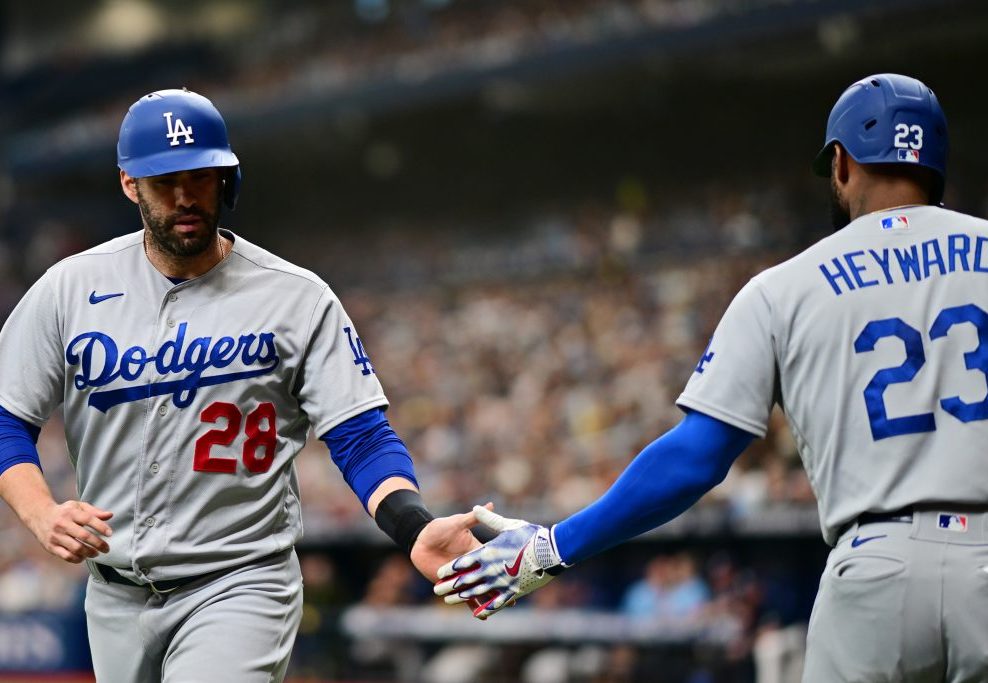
177,130
888,119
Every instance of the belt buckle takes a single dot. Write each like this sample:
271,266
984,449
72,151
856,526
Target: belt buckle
160,591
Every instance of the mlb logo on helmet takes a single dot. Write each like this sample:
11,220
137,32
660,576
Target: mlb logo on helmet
952,522
911,155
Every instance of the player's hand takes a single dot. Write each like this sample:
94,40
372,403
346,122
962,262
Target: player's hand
74,531
443,539
521,559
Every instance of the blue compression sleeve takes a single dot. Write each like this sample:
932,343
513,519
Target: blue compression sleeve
666,478
368,451
18,441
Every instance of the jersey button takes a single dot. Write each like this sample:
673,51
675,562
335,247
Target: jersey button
149,521
162,410
154,468
171,323
173,298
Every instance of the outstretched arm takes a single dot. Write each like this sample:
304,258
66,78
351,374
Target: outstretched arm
430,542
665,479
377,466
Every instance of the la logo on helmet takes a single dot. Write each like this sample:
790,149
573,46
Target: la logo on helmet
176,129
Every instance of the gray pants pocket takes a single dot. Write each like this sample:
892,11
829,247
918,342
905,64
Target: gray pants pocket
857,632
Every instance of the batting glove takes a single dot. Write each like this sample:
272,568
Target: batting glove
520,559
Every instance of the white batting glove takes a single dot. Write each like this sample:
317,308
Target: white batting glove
520,559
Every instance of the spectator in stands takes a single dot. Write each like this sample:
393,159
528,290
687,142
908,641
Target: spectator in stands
671,590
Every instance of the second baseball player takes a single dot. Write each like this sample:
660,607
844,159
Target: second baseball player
875,343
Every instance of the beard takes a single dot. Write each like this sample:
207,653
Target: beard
840,214
164,237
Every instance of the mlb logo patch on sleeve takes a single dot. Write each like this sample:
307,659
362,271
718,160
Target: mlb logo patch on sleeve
895,223
952,522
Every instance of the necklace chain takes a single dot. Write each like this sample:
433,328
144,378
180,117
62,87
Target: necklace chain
219,238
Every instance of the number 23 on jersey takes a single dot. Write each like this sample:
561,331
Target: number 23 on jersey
883,426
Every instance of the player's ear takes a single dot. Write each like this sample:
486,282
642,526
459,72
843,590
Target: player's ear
128,185
840,165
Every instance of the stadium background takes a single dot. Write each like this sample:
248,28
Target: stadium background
535,211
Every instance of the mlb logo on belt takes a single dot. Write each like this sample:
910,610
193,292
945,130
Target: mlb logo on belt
952,522
909,155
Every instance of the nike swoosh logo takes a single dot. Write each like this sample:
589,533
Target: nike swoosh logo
861,541
514,568
93,299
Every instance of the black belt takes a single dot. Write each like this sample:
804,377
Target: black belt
904,515
111,575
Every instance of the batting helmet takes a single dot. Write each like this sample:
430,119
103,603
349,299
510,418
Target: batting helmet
888,119
177,130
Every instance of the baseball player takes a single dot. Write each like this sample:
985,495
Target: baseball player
874,341
191,365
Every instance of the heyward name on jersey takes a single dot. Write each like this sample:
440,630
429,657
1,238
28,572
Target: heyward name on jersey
897,265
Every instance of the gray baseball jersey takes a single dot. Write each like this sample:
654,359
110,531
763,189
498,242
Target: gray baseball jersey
875,343
186,404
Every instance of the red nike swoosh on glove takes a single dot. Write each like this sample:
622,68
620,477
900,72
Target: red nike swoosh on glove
513,569
480,607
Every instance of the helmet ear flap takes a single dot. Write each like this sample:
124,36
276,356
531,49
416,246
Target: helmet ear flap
823,162
231,187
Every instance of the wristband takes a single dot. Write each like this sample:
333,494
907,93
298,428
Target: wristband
402,515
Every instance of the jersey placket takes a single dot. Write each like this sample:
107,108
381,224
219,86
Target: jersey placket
159,457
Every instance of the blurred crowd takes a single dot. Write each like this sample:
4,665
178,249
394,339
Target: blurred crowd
530,372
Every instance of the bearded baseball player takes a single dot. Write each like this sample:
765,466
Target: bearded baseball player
875,343
191,365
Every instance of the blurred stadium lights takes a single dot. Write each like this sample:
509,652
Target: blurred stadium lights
382,160
372,10
506,95
375,11
839,33
125,26
36,32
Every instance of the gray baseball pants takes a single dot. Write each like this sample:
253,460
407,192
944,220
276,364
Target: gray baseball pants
238,627
904,602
